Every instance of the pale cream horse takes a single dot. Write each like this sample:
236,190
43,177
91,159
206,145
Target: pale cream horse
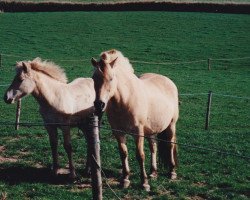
62,105
143,106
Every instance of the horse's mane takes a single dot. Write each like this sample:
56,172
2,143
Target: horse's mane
47,67
121,61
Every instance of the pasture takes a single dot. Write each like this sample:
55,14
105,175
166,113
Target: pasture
170,40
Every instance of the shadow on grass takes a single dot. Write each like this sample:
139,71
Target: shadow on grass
20,174
24,174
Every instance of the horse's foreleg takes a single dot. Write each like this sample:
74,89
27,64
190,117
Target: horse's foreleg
52,131
153,150
172,150
68,148
124,158
141,159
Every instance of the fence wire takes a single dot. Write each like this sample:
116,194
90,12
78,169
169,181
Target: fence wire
219,151
138,61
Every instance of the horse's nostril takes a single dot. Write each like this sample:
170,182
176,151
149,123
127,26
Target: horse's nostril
102,105
6,99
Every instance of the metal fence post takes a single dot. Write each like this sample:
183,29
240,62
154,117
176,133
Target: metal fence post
208,109
95,163
18,112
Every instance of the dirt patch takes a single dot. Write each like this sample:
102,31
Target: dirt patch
196,198
5,159
2,149
199,184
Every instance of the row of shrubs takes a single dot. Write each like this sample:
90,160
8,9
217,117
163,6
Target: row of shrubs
13,6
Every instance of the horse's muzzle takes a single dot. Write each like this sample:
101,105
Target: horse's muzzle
99,106
7,99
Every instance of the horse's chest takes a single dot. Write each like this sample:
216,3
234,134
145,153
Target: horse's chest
121,119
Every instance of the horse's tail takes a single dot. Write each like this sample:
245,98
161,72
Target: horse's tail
164,150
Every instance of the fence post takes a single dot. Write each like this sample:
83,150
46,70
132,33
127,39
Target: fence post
18,112
209,64
208,109
95,163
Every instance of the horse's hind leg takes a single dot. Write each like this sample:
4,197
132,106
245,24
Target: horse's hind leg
52,131
121,139
68,148
153,150
172,150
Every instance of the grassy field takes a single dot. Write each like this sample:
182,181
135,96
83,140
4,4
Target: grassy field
71,38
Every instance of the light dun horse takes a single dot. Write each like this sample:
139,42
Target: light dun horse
61,104
145,106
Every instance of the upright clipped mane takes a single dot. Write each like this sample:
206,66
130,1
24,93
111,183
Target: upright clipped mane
121,61
49,68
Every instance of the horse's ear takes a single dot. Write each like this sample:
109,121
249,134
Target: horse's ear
105,57
94,62
113,62
26,68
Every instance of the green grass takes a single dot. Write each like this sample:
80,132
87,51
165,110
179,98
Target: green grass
142,36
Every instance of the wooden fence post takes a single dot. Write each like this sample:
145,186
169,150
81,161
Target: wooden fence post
18,112
209,64
208,109
94,148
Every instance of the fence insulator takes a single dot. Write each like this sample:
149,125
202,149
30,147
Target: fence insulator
209,102
94,148
18,112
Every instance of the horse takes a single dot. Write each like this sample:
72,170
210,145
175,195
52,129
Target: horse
145,106
62,105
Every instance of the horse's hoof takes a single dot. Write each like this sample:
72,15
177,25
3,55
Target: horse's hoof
173,176
146,187
125,183
154,175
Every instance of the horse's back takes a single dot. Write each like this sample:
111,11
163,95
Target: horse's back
160,83
82,82
162,100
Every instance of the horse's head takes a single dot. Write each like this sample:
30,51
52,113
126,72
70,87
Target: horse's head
105,81
22,84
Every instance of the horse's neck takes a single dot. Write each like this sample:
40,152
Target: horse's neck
126,87
47,91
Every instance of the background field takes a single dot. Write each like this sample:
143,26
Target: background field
71,39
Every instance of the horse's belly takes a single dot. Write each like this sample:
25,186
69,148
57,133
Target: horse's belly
159,118
157,125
